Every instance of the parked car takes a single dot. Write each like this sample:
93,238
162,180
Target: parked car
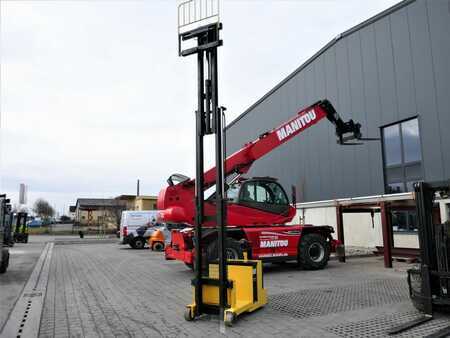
46,221
36,223
136,227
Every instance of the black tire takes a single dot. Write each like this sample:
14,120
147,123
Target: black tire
314,252
5,261
138,243
232,247
158,246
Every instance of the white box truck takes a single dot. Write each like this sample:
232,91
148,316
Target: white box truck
137,226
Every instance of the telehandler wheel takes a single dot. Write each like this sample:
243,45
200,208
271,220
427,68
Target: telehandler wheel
138,243
314,252
5,261
233,250
158,246
229,319
189,314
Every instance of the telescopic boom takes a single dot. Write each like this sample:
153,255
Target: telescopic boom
241,161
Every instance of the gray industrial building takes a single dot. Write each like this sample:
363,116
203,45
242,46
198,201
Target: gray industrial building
391,73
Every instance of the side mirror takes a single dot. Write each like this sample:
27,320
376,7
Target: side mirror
294,195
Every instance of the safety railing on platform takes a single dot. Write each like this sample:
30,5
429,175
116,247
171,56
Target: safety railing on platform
195,13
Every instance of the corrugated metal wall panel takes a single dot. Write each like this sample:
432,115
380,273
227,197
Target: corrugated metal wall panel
344,107
439,24
323,136
372,107
425,90
392,69
361,161
337,169
404,75
386,72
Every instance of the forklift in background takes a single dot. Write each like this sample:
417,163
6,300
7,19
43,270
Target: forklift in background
4,250
429,283
7,224
21,228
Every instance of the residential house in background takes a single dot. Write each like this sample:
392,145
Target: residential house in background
129,201
107,211
104,212
139,203
145,203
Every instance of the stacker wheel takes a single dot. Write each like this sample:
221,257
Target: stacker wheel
189,314
229,319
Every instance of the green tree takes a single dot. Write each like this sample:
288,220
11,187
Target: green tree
43,209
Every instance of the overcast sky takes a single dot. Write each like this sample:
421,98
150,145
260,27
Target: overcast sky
94,95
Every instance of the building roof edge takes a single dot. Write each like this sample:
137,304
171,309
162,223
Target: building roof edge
359,26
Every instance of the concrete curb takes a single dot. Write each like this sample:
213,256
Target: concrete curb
335,258
85,241
25,318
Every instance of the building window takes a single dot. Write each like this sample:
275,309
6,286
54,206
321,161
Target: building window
402,156
404,221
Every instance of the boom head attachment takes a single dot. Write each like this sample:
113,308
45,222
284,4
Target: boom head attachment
345,131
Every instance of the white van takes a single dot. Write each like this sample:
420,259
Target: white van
136,227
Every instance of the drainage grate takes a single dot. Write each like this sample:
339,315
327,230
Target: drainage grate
378,326
32,294
312,303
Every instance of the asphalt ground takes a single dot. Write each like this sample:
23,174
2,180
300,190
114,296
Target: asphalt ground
110,290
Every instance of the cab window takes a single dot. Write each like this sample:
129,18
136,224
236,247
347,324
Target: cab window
277,193
233,192
263,192
248,193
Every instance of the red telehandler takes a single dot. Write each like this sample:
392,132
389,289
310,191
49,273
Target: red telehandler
257,208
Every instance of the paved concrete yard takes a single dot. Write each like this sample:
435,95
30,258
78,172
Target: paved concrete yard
104,289
22,260
111,290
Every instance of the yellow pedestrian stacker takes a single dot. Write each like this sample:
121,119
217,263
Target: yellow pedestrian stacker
230,287
245,290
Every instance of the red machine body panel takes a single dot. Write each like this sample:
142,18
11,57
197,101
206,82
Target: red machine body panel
279,242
